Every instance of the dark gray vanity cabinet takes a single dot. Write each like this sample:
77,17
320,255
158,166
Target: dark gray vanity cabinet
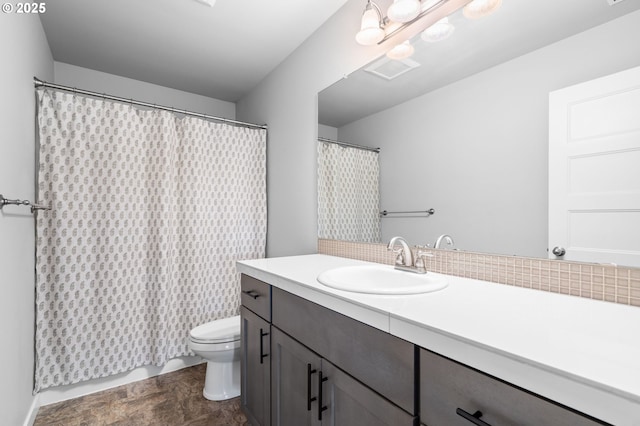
294,384
309,390
349,402
307,365
304,364
452,394
255,331
338,371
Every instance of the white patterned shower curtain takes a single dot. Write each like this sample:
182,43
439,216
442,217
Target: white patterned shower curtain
348,193
149,214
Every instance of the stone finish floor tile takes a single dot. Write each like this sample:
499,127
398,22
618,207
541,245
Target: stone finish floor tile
172,399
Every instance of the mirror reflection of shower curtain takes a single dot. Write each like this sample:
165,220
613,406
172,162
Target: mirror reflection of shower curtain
348,193
150,214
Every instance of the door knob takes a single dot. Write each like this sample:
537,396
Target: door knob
558,251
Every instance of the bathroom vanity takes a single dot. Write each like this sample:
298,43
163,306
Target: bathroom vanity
320,365
472,353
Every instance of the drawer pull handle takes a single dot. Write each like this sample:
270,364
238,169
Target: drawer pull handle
309,398
262,354
251,293
473,418
321,407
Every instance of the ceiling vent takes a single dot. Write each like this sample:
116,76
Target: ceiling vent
612,2
391,68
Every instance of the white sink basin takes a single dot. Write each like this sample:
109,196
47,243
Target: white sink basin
381,279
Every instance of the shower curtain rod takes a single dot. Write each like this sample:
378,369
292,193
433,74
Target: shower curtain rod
39,83
350,145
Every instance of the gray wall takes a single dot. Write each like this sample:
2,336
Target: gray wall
476,150
25,54
327,132
84,78
287,101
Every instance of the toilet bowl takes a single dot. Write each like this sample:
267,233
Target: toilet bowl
218,342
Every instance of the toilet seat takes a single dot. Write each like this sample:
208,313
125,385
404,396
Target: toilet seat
219,331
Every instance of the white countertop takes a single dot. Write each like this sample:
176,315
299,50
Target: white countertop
582,353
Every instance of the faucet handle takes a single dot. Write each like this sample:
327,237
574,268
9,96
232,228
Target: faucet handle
421,256
423,252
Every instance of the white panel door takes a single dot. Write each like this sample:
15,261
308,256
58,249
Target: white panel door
594,170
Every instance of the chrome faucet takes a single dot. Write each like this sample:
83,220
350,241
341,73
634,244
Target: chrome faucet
404,258
447,238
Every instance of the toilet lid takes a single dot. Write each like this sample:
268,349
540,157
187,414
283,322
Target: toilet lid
218,331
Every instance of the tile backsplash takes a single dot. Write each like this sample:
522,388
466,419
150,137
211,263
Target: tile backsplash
591,280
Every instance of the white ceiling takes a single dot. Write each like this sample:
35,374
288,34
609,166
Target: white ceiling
222,52
517,28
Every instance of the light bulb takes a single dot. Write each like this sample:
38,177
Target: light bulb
370,30
438,31
403,10
480,8
401,51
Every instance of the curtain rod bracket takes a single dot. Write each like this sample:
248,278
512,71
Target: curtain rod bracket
34,206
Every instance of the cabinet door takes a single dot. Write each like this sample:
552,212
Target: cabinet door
345,401
255,368
383,362
294,382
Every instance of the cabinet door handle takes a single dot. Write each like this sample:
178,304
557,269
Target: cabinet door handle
309,398
321,407
251,293
473,418
262,354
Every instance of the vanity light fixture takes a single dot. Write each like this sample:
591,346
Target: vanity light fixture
401,51
439,31
376,28
480,8
403,10
371,31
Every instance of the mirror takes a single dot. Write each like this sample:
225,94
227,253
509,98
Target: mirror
465,132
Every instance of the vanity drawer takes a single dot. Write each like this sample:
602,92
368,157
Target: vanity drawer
447,386
256,296
379,360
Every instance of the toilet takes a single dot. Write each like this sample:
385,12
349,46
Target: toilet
218,342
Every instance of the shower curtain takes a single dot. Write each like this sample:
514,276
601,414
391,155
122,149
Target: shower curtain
348,197
149,214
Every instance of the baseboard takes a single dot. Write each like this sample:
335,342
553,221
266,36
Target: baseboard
63,393
33,411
